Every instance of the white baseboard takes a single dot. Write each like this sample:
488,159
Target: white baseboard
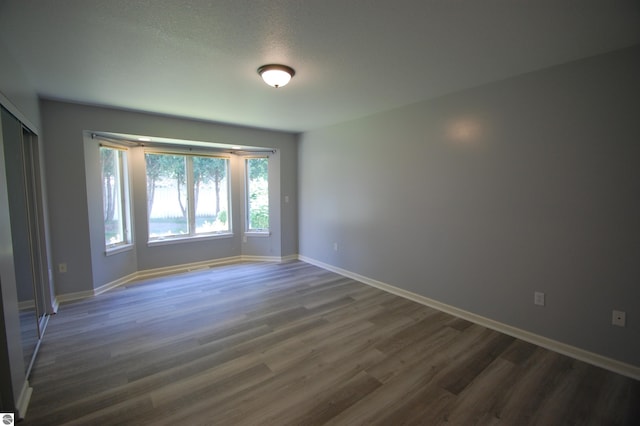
186,267
289,258
167,270
610,364
260,259
70,297
114,284
26,305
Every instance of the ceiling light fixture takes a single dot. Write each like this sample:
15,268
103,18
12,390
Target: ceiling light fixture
276,75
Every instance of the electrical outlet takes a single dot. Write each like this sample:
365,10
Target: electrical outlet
62,268
538,298
335,246
619,318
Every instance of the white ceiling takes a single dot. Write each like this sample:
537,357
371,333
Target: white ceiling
198,58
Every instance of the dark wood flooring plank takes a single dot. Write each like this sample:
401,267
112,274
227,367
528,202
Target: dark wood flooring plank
290,343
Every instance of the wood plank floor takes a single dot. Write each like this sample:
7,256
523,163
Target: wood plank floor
292,344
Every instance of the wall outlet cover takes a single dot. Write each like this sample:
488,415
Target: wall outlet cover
619,318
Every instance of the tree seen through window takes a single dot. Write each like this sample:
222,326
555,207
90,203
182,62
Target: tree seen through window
186,195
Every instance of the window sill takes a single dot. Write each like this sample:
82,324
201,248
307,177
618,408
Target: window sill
110,251
178,240
259,234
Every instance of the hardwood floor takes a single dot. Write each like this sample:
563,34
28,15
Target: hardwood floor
292,344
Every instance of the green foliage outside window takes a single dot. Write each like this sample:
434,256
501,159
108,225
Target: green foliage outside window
167,177
258,194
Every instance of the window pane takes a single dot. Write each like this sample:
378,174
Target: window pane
112,196
257,194
211,194
166,195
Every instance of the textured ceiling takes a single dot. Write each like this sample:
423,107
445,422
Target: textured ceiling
352,58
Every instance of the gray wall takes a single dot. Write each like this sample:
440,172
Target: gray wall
15,87
75,197
480,198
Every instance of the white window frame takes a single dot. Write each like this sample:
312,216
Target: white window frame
124,182
191,213
247,218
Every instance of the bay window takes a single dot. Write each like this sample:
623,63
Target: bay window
115,196
187,195
257,194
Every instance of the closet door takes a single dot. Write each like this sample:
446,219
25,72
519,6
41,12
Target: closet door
34,197
22,234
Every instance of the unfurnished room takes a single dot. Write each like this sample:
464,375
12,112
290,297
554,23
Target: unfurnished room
320,213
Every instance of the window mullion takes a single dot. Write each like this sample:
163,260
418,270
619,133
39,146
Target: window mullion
191,210
126,197
122,193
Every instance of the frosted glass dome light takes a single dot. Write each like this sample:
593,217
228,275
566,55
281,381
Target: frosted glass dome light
276,75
